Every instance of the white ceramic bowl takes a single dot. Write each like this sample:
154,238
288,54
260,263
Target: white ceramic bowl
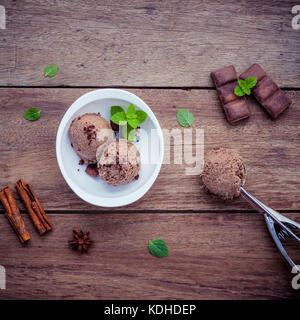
95,190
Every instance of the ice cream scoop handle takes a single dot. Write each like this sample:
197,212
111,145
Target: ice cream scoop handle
276,216
271,227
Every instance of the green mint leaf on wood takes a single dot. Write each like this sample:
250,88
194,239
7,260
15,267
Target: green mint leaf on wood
141,116
185,117
50,71
251,82
238,91
116,109
32,114
158,248
119,116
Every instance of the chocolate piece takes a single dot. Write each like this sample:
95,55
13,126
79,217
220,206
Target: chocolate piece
226,92
235,107
92,170
223,76
266,91
264,88
254,71
277,103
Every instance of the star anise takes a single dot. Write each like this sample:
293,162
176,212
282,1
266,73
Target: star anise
81,241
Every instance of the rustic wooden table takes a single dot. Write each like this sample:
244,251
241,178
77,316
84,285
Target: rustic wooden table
163,51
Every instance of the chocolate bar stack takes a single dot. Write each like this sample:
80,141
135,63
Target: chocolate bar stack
267,92
236,108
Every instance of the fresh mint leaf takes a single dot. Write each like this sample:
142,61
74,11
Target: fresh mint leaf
116,109
131,113
50,71
158,248
131,116
251,82
241,83
130,133
117,117
141,116
128,121
185,117
238,91
244,87
32,114
133,123
247,91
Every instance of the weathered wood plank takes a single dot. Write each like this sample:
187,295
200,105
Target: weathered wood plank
211,256
146,43
270,149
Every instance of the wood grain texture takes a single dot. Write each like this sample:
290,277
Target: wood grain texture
145,43
270,150
217,250
211,256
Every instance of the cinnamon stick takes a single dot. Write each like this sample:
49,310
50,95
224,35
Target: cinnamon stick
34,207
13,214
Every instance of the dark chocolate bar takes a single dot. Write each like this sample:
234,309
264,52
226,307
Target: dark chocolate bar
235,107
267,92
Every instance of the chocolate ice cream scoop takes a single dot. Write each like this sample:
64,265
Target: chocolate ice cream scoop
87,133
223,173
118,163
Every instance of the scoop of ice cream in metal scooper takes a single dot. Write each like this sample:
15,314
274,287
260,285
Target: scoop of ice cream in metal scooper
279,226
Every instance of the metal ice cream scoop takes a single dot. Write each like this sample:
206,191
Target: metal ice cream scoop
279,226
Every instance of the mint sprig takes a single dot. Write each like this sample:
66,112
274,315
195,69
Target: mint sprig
132,118
244,86
158,248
